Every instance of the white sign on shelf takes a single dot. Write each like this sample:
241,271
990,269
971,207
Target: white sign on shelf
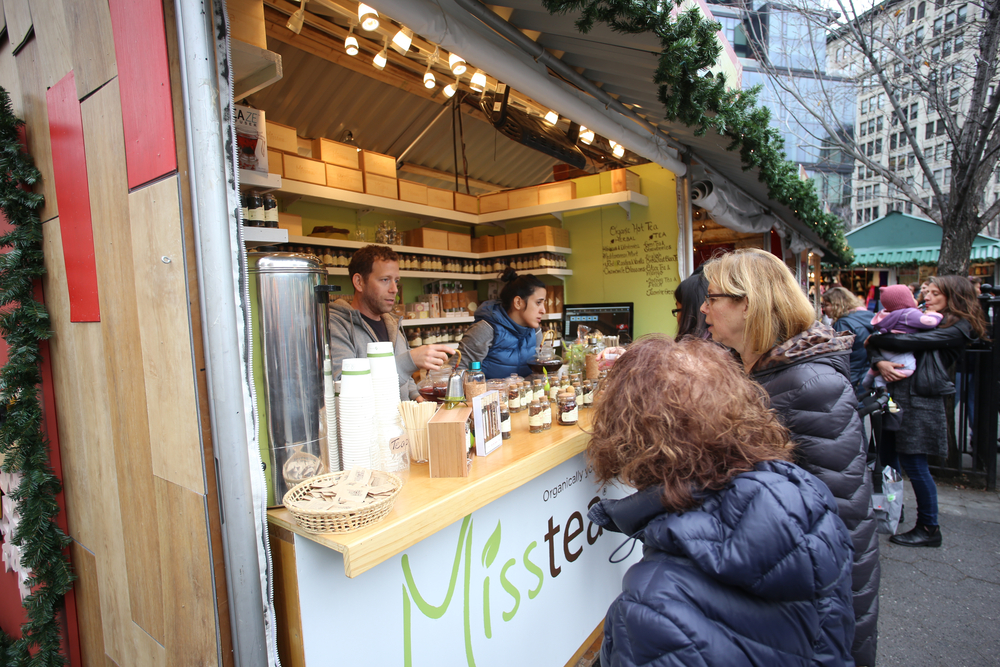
486,414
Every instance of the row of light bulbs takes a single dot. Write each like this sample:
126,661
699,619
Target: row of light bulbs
368,19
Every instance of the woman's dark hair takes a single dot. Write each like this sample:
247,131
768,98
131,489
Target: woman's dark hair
682,415
962,303
522,286
690,294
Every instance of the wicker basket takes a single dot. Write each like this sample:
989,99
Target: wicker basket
342,521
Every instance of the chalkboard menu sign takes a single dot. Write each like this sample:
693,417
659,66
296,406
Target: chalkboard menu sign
643,248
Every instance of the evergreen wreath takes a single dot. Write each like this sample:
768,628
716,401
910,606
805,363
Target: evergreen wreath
23,323
702,101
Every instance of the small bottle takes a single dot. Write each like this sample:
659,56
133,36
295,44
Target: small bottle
514,394
245,206
526,394
546,413
568,414
537,390
270,211
255,210
578,390
475,381
535,424
588,394
554,387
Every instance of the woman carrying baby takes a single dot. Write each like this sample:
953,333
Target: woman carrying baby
899,315
921,394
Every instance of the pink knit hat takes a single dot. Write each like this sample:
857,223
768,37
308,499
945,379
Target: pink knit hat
897,297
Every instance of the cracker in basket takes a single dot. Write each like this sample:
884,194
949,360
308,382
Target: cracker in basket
348,503
324,484
383,489
356,477
350,492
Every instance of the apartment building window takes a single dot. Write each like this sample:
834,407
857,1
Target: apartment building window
963,13
863,128
939,152
936,53
929,131
878,124
881,100
949,20
953,97
870,148
878,147
938,25
892,146
918,36
911,160
864,106
911,15
947,176
938,4
871,126
940,126
946,48
892,164
914,110
909,208
959,42
921,10
937,176
908,41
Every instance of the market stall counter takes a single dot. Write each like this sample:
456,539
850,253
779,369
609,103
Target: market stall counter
500,567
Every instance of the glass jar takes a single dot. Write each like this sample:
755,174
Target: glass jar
578,390
546,413
588,394
500,386
537,390
514,394
568,414
535,424
475,381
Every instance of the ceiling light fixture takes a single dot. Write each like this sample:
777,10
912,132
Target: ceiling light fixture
451,89
457,64
429,80
478,82
382,56
351,42
402,39
617,149
551,118
586,136
367,16
297,18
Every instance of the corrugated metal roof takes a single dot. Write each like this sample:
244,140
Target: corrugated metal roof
897,238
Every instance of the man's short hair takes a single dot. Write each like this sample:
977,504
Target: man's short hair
364,259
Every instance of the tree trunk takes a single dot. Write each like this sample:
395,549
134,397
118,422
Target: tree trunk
961,225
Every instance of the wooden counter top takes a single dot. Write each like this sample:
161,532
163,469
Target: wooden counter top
425,506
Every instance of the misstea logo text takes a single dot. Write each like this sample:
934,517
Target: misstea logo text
571,544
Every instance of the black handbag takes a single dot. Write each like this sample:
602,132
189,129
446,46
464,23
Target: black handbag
931,378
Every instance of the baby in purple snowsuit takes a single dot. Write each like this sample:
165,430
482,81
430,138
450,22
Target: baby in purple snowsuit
899,315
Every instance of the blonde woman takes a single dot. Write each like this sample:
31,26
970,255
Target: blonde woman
756,308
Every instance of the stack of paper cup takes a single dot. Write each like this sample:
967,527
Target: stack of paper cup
357,414
330,406
385,384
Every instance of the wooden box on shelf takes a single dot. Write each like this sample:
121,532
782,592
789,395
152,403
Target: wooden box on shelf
303,169
281,137
526,238
332,152
500,242
624,179
382,186
378,164
293,223
466,203
448,442
512,242
459,242
439,198
522,198
483,244
553,193
274,163
493,202
425,237
344,178
415,193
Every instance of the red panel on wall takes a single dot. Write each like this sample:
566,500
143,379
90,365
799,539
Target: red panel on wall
69,167
144,80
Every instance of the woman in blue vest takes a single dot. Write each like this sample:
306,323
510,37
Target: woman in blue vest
508,330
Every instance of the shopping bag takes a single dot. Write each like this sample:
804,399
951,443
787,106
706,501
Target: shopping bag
888,505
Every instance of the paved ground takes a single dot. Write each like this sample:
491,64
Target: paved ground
941,607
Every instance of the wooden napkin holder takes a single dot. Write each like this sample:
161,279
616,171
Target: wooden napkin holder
448,454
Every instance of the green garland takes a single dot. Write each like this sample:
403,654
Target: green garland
689,45
23,323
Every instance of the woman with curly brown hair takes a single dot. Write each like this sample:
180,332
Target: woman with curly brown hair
745,560
921,395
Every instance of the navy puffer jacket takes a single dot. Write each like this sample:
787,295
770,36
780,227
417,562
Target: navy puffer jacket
759,574
513,345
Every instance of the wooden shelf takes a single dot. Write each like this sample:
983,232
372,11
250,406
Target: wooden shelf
416,250
321,194
525,251
441,275
257,236
254,68
259,181
434,321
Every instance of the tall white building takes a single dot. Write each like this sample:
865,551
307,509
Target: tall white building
940,37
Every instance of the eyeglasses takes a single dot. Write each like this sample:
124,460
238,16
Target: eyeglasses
710,298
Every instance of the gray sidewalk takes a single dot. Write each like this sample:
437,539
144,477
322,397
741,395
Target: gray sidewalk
942,606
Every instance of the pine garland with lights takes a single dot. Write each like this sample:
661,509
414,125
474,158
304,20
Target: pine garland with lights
23,323
689,46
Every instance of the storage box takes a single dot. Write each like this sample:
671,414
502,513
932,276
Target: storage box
425,237
479,245
282,137
381,186
552,193
448,443
499,242
545,236
490,243
491,203
466,203
522,198
526,238
623,179
415,193
331,152
344,178
459,242
439,198
303,169
274,163
293,223
378,164
512,241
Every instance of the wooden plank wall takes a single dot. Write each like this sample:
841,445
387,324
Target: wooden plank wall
129,388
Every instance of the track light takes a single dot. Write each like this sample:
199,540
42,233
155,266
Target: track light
551,118
617,149
478,82
402,39
351,42
297,18
367,16
429,80
382,56
451,89
586,136
457,64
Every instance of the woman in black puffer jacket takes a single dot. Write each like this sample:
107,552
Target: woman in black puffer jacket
755,307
